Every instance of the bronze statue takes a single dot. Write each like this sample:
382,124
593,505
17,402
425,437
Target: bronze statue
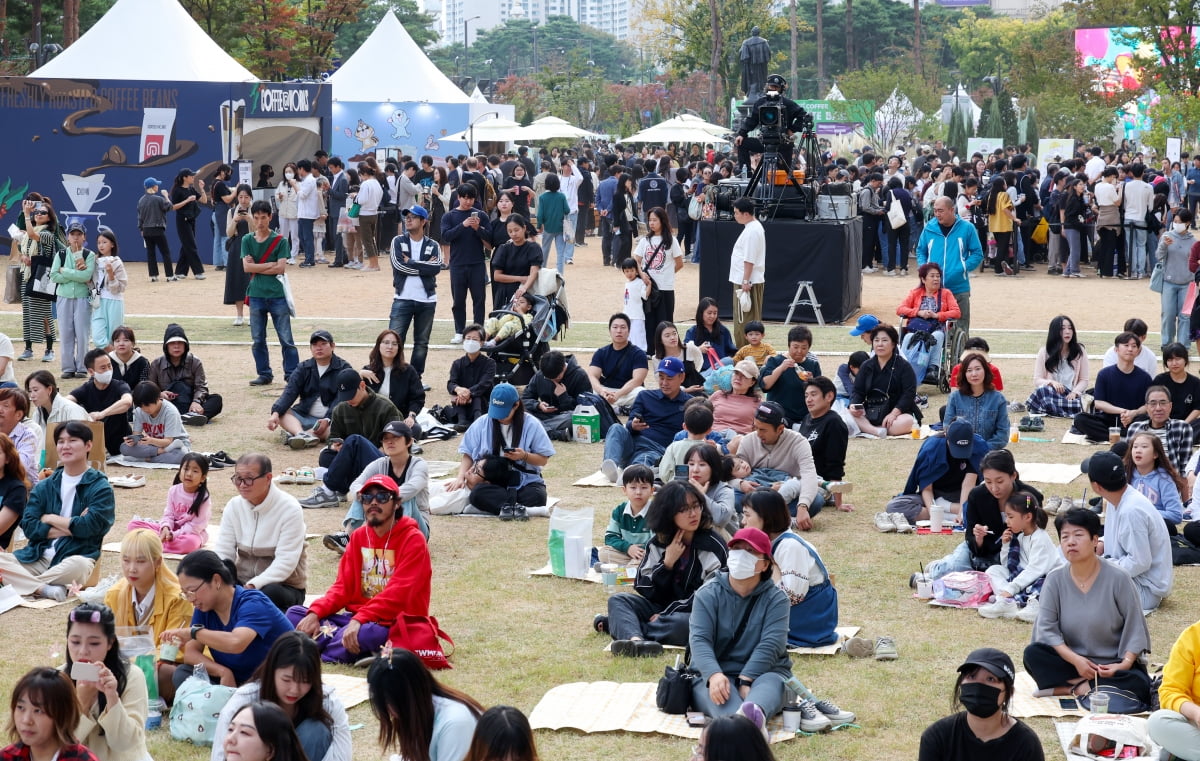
754,56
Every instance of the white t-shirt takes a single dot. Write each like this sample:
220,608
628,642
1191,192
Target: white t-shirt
1094,168
318,408
67,492
414,289
751,246
635,296
1106,194
1138,197
6,350
660,265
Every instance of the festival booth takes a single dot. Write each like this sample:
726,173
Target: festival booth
390,100
91,125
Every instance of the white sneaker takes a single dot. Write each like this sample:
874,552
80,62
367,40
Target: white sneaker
457,338
237,321
1029,613
1003,607
901,523
868,270
610,470
883,522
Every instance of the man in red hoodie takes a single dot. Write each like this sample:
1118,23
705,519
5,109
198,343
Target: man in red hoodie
384,573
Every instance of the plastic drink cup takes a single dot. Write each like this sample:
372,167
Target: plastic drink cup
924,589
608,574
1015,436
1114,434
935,519
169,652
1099,702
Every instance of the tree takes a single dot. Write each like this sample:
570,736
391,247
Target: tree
1175,115
986,46
322,21
352,34
271,30
221,19
956,138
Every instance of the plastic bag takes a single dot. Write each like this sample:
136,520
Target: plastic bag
962,589
197,707
570,542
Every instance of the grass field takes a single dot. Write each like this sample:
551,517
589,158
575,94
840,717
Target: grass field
518,636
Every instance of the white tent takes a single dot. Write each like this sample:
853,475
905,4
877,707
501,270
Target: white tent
835,93
899,111
478,97
550,127
489,130
390,66
684,128
146,40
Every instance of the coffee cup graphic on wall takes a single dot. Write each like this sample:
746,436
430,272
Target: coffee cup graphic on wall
233,116
158,133
85,191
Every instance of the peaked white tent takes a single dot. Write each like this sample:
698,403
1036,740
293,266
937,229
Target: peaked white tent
143,40
899,111
835,93
390,66
478,97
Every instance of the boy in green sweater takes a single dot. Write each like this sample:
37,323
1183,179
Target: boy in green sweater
626,536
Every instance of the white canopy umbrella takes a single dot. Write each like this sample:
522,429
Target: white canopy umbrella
490,130
550,127
684,128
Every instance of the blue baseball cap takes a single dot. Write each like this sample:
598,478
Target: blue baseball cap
865,324
420,211
504,399
960,437
671,366
150,182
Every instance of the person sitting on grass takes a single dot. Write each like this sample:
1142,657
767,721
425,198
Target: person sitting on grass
755,348
42,719
697,428
180,375
618,370
626,536
829,437
160,436
148,595
105,399
48,405
984,522
302,410
976,400
884,399
502,734
798,570
1176,435
1176,725
290,677
984,688
64,535
554,391
184,524
681,556
14,490
773,445
1120,394
947,468
471,379
1060,373
1151,473
383,575
785,376
503,454
1090,629
653,420
420,718
1027,554
709,472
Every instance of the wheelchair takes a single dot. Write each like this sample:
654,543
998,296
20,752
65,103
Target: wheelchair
952,349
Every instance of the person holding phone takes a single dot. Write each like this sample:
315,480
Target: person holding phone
237,226
554,391
112,695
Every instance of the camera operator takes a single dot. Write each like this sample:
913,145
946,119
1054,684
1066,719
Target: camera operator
792,121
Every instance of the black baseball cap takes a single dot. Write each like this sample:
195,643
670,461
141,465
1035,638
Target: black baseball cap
995,661
320,335
348,381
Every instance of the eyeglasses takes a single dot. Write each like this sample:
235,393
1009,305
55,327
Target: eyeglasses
691,508
191,593
243,482
380,497
1158,403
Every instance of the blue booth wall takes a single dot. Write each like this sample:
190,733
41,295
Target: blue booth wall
89,144
397,128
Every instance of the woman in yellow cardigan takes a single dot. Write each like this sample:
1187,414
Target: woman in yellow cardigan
148,596
1176,727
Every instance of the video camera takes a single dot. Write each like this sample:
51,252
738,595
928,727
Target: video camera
770,124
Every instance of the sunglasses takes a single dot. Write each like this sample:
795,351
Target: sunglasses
41,211
381,498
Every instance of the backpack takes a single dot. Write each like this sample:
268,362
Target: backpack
489,195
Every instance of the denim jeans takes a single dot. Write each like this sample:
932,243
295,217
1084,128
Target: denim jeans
560,242
306,240
1073,245
420,315
219,254
1135,239
621,447
277,308
1176,324
569,234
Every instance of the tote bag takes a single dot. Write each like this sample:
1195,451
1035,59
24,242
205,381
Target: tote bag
895,214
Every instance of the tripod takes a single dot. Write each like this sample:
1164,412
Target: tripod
764,193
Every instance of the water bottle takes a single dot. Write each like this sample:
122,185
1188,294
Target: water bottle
154,714
200,672
744,176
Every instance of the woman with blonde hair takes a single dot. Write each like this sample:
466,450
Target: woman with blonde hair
148,596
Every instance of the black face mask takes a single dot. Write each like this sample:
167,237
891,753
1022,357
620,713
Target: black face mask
979,699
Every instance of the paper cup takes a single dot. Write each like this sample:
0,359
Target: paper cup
935,519
791,718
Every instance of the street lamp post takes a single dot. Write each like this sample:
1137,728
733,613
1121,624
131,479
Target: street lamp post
471,129
467,45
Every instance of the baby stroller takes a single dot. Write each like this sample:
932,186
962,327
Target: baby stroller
517,357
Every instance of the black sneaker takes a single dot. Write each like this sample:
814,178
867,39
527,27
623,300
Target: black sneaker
520,513
261,380
508,512
336,542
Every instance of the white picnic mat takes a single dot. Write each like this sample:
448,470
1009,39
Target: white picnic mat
129,462
615,707
592,576
1066,731
441,468
1025,705
352,690
115,547
1048,472
596,479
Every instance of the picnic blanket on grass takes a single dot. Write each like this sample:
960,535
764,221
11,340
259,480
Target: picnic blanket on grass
615,707
1048,472
352,690
596,479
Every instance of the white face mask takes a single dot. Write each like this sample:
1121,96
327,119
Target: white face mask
1180,227
290,175
471,346
741,564
103,378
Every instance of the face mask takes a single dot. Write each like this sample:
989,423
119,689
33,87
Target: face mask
741,564
103,378
1180,227
289,175
471,347
979,699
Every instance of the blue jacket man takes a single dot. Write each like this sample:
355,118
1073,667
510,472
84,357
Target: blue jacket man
947,467
952,244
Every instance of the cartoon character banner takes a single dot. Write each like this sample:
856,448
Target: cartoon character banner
398,128
89,145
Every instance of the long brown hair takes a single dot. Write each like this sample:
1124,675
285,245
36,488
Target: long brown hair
375,359
402,692
51,691
13,467
1161,461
